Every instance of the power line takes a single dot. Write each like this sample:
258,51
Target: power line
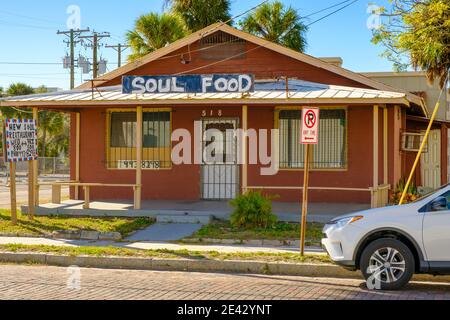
28,17
234,18
9,24
259,46
331,13
324,9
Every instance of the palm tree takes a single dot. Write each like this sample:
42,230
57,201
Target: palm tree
154,31
274,22
198,14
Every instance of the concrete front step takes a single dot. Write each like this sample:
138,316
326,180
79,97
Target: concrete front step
184,218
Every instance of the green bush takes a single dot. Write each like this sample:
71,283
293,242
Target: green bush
252,209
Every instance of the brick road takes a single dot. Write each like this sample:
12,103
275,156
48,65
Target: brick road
44,282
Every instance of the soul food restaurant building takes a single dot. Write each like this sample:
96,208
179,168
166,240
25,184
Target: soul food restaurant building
224,79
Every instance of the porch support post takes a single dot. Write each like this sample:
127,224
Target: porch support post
385,146
77,153
375,146
244,148
35,164
374,200
137,193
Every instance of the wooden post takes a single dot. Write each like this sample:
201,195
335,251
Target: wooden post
87,198
77,154
56,193
244,149
139,119
12,191
419,153
375,146
36,164
31,190
304,200
385,146
375,156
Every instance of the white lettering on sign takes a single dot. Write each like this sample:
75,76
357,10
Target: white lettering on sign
188,83
310,126
20,140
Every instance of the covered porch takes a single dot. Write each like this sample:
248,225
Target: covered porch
89,168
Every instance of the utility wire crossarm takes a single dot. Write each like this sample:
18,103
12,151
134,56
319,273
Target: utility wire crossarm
119,48
94,39
73,35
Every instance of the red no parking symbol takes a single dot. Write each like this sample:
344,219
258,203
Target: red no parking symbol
310,119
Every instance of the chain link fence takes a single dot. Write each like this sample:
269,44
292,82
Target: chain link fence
47,166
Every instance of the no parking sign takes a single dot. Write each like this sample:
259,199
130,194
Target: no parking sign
308,135
310,126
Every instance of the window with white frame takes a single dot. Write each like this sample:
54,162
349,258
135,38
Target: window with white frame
330,153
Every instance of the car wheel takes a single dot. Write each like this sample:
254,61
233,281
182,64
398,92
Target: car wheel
387,264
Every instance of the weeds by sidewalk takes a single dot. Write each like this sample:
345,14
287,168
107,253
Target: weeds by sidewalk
280,231
45,225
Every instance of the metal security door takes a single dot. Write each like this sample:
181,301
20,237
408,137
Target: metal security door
219,169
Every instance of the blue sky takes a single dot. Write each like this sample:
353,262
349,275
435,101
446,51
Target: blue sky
28,34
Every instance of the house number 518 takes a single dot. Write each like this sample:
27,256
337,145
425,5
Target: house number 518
211,113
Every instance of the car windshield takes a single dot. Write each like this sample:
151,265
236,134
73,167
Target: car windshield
430,193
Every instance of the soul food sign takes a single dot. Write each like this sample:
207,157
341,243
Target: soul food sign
20,140
206,83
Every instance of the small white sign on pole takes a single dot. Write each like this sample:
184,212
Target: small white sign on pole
21,140
310,126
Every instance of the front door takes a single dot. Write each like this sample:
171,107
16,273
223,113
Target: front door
219,170
431,161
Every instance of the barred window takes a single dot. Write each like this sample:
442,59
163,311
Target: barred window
156,143
330,153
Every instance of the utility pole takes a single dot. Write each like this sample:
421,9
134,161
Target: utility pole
119,48
73,40
94,39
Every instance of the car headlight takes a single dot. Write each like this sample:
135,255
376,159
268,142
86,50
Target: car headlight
339,223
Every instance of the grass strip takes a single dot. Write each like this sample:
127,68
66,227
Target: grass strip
164,253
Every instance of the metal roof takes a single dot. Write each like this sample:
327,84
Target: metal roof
264,90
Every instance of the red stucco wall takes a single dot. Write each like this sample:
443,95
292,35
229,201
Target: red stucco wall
183,182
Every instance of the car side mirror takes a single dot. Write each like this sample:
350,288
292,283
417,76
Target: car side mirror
439,204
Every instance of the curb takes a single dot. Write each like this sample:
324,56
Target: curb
194,265
191,265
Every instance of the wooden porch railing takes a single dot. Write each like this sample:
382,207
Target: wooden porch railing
379,195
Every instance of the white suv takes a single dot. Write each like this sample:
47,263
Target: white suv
390,244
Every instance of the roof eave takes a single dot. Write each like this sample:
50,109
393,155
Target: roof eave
250,101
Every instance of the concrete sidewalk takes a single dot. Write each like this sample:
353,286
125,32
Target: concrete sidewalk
287,212
155,245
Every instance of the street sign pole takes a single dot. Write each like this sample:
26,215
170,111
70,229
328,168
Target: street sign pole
304,200
309,135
